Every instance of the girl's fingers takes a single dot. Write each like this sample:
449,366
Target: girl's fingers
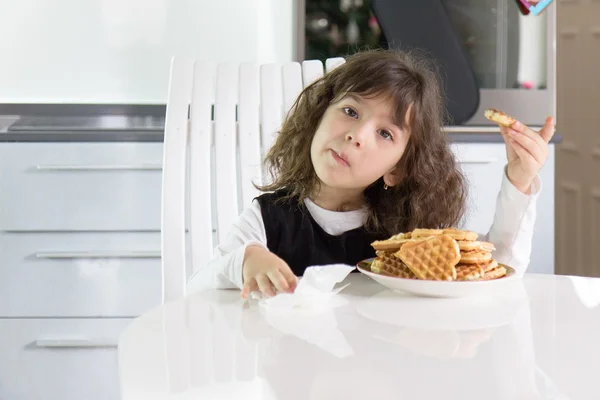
505,135
248,288
548,130
265,286
532,148
278,281
522,151
289,276
530,133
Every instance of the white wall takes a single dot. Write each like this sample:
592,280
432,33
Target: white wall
119,51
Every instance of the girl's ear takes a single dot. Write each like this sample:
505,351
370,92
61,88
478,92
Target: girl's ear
394,177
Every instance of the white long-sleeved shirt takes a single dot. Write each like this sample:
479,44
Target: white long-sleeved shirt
511,233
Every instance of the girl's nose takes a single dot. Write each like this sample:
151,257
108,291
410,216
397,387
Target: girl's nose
352,138
360,133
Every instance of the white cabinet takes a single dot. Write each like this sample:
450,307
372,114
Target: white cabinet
59,359
483,166
79,274
80,186
80,229
80,256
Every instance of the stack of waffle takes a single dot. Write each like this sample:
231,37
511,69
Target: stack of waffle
436,254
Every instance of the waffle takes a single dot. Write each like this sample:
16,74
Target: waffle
475,256
465,245
384,253
406,235
391,244
469,272
433,258
436,254
499,117
389,265
490,265
424,233
414,242
458,234
487,246
496,273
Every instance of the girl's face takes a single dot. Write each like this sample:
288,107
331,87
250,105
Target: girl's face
357,143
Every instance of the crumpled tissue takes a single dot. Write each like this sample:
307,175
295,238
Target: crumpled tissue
308,312
314,289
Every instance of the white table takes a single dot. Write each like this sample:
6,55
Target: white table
538,339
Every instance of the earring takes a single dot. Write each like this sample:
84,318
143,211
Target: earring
385,186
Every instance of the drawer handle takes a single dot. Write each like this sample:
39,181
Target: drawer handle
148,167
75,343
101,254
479,161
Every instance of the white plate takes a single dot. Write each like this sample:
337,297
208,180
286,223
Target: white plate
441,288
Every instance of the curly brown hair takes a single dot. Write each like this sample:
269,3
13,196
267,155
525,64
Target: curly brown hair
432,191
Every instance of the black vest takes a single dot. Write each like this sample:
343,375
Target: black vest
294,236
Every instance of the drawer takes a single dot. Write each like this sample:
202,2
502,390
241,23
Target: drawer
483,165
80,186
79,274
59,359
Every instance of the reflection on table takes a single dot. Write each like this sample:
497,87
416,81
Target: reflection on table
372,343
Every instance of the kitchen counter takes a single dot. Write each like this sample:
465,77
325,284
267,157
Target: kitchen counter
151,129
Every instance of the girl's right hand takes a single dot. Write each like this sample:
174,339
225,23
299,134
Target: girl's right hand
265,272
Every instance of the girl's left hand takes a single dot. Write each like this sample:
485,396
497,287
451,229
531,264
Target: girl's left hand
527,151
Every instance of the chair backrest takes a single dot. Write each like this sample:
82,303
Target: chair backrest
221,119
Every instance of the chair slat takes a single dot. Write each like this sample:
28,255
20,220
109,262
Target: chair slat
249,133
173,179
311,71
200,193
333,63
292,84
225,147
271,110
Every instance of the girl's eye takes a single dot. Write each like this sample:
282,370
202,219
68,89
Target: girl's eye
385,134
350,112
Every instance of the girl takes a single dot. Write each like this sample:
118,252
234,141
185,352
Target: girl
360,157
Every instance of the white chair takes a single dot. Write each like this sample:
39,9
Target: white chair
220,121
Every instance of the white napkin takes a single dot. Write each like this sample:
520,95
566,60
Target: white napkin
308,312
314,289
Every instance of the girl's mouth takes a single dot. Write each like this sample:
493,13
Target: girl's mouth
339,158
